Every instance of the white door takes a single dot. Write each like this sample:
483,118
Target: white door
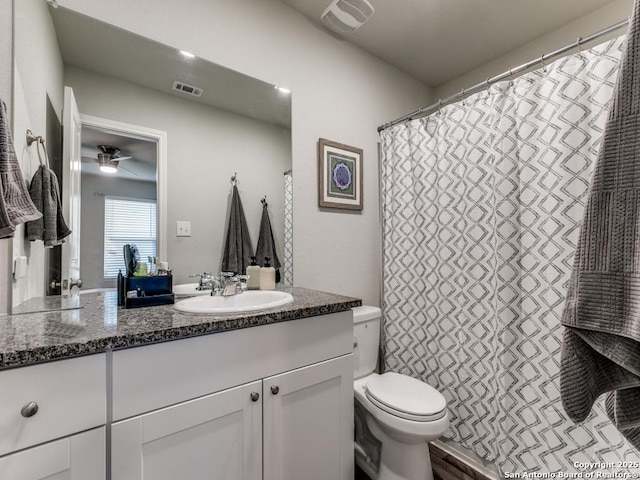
308,422
216,437
78,457
71,164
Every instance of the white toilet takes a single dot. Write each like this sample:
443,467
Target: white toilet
403,413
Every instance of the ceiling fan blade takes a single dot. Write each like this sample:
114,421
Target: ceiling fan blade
120,167
117,159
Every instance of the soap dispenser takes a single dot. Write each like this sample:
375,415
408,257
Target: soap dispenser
253,271
267,276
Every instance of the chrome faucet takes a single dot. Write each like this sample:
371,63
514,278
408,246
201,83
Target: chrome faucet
230,284
206,281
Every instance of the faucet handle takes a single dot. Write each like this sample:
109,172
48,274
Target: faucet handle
227,274
240,279
204,274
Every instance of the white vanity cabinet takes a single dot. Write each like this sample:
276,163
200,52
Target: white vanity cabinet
76,457
272,402
52,420
216,436
308,422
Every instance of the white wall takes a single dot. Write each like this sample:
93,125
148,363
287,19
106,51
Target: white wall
38,74
94,189
206,146
339,93
582,27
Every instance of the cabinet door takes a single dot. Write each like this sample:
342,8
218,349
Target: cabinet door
216,437
78,457
308,422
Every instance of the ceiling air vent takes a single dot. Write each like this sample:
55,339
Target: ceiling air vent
188,89
346,16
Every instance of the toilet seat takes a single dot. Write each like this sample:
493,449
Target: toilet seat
406,397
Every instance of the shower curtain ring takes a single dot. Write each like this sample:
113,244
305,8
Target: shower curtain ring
462,95
544,67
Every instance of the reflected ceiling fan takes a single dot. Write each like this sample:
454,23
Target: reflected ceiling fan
108,160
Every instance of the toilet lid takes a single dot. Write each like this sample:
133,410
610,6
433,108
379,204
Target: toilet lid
406,397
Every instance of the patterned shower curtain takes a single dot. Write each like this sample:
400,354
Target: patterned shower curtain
481,208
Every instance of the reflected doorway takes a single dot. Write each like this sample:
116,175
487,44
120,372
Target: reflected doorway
119,195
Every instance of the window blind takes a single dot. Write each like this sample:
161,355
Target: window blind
127,220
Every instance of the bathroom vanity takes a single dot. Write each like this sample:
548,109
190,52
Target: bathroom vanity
107,393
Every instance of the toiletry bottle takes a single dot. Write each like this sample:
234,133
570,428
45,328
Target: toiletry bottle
121,292
253,271
267,276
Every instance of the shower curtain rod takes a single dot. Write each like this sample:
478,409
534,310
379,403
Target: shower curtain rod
425,111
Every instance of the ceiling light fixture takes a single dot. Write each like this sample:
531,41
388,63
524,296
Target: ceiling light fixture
282,89
107,165
187,54
107,160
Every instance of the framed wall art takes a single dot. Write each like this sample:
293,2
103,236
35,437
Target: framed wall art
339,175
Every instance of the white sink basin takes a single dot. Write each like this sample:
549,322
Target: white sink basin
249,301
189,289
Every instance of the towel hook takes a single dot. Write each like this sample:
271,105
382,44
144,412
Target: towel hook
32,138
39,142
264,201
234,179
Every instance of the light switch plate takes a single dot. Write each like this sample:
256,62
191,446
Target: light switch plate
184,229
20,267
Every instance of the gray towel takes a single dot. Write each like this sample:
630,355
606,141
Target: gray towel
15,205
266,245
601,341
237,247
51,227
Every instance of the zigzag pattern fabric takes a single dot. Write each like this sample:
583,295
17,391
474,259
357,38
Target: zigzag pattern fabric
287,262
482,203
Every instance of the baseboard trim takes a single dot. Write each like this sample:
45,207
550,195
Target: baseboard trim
451,464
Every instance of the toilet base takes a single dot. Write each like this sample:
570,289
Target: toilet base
411,462
400,460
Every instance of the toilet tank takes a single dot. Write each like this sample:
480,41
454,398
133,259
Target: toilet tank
366,340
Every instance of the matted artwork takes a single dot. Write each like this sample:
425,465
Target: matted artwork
339,175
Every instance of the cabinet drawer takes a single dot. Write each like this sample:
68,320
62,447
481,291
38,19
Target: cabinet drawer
202,365
78,457
70,396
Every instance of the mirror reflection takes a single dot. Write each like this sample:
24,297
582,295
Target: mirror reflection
172,128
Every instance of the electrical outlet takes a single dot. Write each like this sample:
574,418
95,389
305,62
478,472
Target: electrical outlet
184,229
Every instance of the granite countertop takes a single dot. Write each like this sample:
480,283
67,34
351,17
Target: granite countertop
98,325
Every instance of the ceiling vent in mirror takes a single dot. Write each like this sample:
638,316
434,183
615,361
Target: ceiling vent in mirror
346,16
188,89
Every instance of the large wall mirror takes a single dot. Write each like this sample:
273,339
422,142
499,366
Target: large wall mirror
173,128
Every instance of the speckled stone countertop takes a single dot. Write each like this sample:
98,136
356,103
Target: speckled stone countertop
99,325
